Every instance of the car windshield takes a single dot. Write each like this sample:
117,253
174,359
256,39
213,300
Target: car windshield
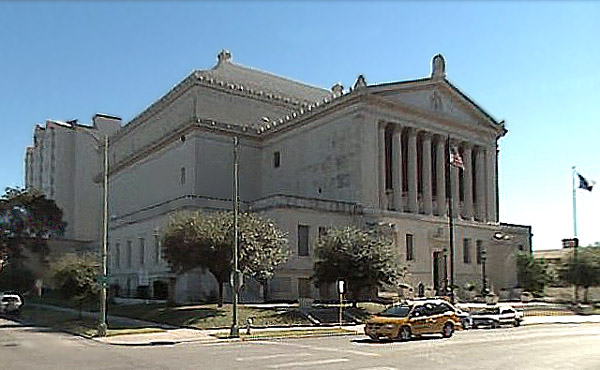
487,311
396,311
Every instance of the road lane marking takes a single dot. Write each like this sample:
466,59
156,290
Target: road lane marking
325,349
309,363
268,357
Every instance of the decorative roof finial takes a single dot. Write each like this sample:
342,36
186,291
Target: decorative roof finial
223,56
360,82
337,90
438,66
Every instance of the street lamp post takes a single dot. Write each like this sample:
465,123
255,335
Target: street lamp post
484,289
102,326
235,331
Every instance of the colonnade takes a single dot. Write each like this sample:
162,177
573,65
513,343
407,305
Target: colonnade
413,168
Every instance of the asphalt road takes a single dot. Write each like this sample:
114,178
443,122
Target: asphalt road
559,346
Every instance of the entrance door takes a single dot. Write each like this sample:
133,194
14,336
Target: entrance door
438,273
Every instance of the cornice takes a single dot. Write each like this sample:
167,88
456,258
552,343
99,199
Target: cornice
199,78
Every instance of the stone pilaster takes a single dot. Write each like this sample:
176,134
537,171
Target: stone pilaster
397,167
468,182
440,175
427,191
413,205
381,152
480,183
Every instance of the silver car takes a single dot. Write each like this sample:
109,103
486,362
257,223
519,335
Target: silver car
10,303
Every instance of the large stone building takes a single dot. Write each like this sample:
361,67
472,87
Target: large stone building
311,158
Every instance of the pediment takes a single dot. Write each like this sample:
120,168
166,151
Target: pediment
440,98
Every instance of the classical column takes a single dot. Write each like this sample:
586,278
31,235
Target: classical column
491,183
468,182
427,191
413,205
440,175
397,167
381,151
480,183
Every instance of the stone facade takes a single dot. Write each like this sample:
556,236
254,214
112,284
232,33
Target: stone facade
65,158
311,158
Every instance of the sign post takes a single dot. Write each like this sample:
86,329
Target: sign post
341,292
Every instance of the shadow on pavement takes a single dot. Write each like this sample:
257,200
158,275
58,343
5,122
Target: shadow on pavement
387,341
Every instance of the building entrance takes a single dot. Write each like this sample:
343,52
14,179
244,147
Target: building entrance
439,270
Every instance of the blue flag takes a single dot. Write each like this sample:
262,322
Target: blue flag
585,183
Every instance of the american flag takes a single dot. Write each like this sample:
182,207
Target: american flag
455,158
586,184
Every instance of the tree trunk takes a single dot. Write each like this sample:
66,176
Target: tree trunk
265,289
585,294
220,299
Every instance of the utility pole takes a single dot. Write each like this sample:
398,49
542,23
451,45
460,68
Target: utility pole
235,331
102,327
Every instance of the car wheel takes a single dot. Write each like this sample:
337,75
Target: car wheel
448,330
404,334
374,338
517,323
495,325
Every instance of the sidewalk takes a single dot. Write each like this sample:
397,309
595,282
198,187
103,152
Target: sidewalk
175,336
565,319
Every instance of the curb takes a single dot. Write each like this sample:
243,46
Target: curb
223,340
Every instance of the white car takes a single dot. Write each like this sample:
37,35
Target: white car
495,316
10,303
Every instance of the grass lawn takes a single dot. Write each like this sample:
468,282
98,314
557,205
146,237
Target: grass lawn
209,316
73,323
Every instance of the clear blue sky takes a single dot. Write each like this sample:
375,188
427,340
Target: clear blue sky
536,65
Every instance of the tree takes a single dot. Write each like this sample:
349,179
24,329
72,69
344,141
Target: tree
263,248
27,220
198,239
532,275
76,277
584,271
365,259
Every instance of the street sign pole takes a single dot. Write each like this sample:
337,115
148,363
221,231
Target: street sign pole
341,291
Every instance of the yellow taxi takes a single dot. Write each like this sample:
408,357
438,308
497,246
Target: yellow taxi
432,316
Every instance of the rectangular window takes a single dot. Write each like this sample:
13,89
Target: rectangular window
156,249
129,253
118,255
479,250
466,251
303,240
142,251
182,176
276,159
410,248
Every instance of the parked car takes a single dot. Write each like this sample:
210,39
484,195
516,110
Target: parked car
465,318
495,316
10,303
414,319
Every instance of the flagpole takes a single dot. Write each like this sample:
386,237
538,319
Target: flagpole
575,241
574,202
450,219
